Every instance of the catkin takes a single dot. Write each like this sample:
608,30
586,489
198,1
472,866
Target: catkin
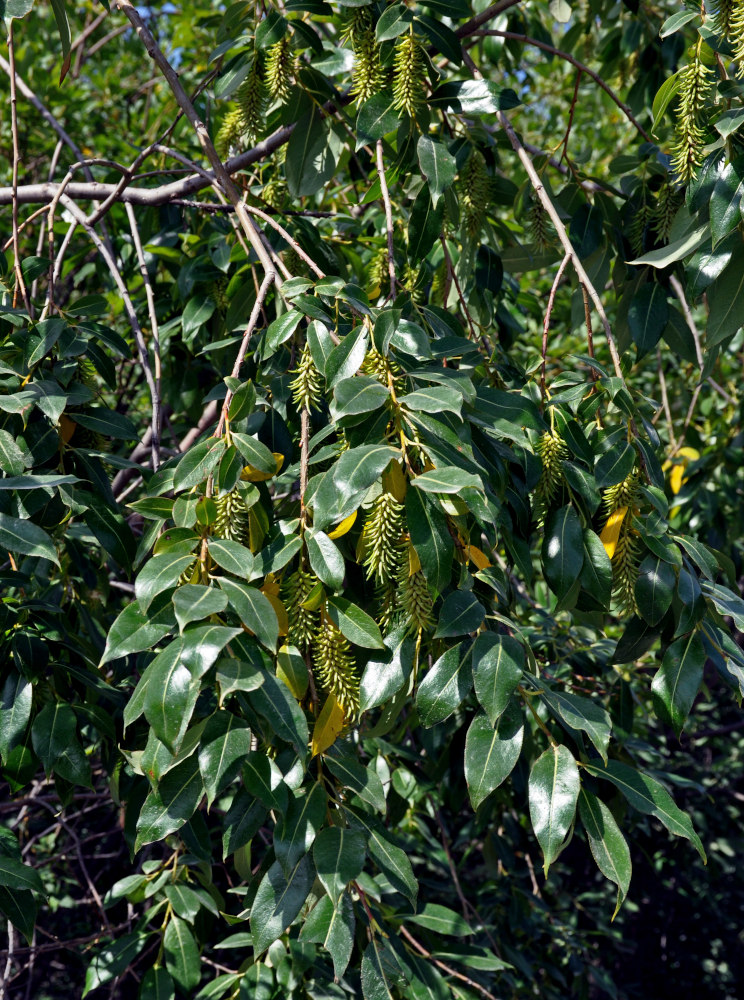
306,388
368,76
552,451
334,667
303,623
409,75
382,538
233,519
279,68
473,192
414,599
625,557
687,149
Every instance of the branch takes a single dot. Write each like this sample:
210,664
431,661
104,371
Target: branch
582,67
471,26
20,285
388,215
445,968
546,321
221,174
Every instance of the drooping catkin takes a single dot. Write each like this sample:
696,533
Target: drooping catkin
552,451
306,386
409,75
251,97
383,539
473,191
625,556
687,149
414,598
668,201
334,666
303,622
280,66
368,76
229,134
735,34
233,518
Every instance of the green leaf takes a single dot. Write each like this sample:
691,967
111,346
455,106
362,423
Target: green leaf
167,810
647,317
553,793
677,21
304,818
193,602
15,711
441,920
157,984
11,457
648,796
596,572
391,860
424,226
112,960
380,972
254,610
726,302
338,854
363,781
437,164
280,330
346,357
357,395
161,573
325,559
262,778
170,696
274,702
608,846
677,250
310,162
359,468
430,538
492,753
63,29
185,902
278,901
15,875
26,538
134,631
224,745
52,733
498,663
581,713
355,624
255,453
726,200
393,22
461,613
270,30
446,479
678,680
383,678
654,588
107,422
232,556
473,97
615,465
434,399
562,550
445,685
664,97
20,908
181,954
333,928
197,464
376,117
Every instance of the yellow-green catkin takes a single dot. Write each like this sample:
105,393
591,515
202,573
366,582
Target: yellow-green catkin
378,272
625,557
668,201
233,518
539,227
280,67
251,97
724,12
414,598
473,192
382,539
368,76
409,75
334,667
552,451
687,149
229,135
303,622
378,367
306,386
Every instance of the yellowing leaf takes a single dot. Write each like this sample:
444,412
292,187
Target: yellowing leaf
395,482
480,558
676,478
66,428
343,526
281,612
251,474
328,726
315,598
611,531
678,464
414,563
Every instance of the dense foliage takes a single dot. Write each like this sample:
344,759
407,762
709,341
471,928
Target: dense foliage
371,499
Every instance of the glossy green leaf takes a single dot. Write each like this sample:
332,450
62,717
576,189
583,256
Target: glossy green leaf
333,928
278,901
26,538
498,662
445,685
181,954
461,613
302,821
224,745
15,711
384,677
355,624
447,479
325,559
562,550
553,793
424,226
676,683
338,854
194,602
197,463
654,588
491,753
608,846
430,538
254,610
583,714
437,164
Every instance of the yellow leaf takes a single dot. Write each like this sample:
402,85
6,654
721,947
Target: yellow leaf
611,531
691,454
343,526
676,478
66,428
480,558
394,481
251,474
414,563
315,598
281,612
328,726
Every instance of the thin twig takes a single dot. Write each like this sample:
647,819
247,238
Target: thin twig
156,402
665,400
388,215
582,67
288,238
444,967
20,285
546,321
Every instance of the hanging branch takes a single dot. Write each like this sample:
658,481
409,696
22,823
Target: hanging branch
20,285
388,215
546,321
